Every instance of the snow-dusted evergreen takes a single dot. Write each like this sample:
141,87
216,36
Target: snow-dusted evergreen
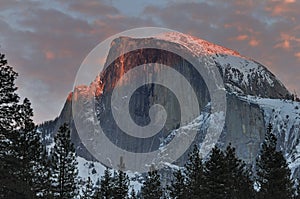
64,165
20,145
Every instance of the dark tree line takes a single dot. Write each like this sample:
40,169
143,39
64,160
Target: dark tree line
221,176
19,145
224,175
27,170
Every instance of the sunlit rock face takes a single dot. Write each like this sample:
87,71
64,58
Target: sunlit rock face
246,81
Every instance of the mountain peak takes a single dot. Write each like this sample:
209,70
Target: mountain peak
249,86
196,45
241,75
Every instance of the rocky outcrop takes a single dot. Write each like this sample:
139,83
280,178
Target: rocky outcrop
245,122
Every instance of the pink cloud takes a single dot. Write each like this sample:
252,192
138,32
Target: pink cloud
289,1
286,8
49,55
298,55
285,45
288,41
254,42
241,37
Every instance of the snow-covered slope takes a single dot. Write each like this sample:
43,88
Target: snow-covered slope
240,74
196,45
95,170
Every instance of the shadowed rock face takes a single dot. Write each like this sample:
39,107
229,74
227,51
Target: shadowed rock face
146,96
245,123
244,127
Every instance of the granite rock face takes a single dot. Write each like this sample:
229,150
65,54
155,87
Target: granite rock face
244,127
245,122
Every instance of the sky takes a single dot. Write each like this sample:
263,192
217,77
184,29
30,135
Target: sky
46,41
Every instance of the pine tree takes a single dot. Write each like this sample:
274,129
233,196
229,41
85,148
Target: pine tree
87,192
42,183
273,174
97,191
64,171
194,175
28,149
106,185
297,191
238,176
214,172
20,144
133,195
12,118
121,185
178,189
151,188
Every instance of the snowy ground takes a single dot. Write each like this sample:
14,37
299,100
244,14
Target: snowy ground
95,170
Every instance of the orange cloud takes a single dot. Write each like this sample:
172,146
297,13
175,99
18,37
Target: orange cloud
284,45
253,42
49,55
290,1
242,37
286,40
281,8
298,55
